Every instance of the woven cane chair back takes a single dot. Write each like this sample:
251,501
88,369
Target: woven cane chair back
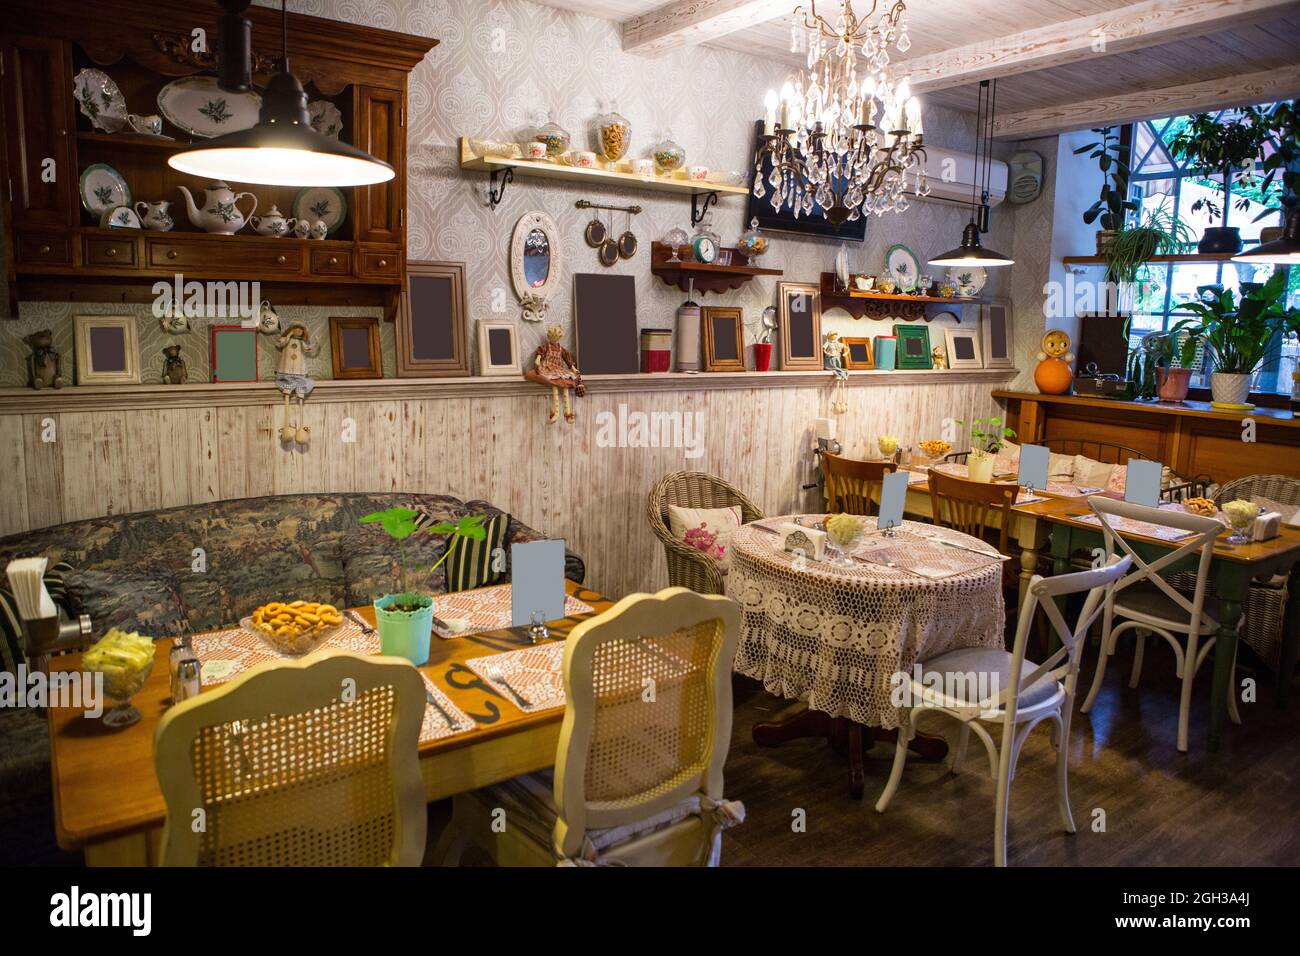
648,719
853,485
972,507
309,762
687,566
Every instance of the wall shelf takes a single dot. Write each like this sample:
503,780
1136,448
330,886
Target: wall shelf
529,167
701,276
883,305
1181,257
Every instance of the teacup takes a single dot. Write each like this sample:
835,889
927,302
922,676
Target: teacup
643,167
864,283
268,321
302,228
583,158
149,125
697,173
535,150
319,230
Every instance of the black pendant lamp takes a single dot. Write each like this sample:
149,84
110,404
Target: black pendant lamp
1285,250
282,149
971,252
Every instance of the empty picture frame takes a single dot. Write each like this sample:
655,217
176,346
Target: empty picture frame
234,353
913,347
498,348
857,354
605,335
799,326
963,347
995,325
431,336
354,347
107,350
724,339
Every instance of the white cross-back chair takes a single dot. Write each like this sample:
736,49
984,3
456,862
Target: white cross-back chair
1146,603
310,762
638,770
989,688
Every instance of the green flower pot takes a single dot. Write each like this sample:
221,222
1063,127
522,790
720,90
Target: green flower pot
405,633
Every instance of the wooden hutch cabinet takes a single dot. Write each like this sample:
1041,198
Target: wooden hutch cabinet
54,250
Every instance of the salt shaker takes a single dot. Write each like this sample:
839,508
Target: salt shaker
537,630
188,680
182,648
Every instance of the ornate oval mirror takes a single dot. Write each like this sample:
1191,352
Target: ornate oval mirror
535,263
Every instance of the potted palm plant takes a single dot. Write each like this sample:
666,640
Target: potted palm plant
405,618
987,436
1236,337
1228,151
1111,207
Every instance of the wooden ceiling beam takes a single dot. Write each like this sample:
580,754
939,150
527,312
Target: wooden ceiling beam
1196,96
688,22
1134,27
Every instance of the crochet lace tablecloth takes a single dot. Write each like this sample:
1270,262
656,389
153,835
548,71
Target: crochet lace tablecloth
835,636
224,655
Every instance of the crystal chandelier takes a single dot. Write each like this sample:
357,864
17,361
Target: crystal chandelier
848,141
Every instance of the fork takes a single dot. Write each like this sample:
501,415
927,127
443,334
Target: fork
360,622
519,698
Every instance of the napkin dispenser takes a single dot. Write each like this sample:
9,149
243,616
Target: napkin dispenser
1268,525
796,538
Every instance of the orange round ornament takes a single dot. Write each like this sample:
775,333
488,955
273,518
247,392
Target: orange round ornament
1053,377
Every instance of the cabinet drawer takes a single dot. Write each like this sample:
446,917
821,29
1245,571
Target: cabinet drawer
331,262
44,248
388,264
115,253
279,256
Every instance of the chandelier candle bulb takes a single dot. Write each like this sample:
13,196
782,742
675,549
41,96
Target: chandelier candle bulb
769,116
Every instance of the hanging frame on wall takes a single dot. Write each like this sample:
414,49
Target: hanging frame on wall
536,263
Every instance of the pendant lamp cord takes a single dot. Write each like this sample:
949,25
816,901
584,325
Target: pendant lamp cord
979,141
988,141
284,35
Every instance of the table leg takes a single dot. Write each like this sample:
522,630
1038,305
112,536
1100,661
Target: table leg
1290,638
806,723
855,759
1062,542
1230,585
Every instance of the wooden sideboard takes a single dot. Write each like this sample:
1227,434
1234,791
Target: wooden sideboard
1191,438
52,248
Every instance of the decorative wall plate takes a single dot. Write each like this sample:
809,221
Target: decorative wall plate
968,277
102,188
321,202
99,100
197,105
325,118
901,263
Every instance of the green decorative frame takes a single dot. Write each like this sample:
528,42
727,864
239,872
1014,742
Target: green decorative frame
909,333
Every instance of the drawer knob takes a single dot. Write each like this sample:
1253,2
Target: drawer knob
171,253
383,262
111,251
45,248
334,260
280,259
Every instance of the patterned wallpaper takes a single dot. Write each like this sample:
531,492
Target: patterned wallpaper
498,65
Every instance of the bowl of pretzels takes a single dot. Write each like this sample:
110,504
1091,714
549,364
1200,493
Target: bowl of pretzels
294,627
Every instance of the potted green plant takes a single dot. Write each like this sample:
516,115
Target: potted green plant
1228,151
1156,369
1160,233
1236,337
1283,126
987,436
405,618
1111,207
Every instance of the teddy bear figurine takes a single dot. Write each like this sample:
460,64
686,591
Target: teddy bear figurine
44,367
175,371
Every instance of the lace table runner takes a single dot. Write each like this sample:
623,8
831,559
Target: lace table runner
532,678
924,556
837,637
485,609
224,655
1133,526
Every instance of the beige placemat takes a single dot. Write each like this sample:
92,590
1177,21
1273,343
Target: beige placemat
1133,526
485,609
224,655
532,678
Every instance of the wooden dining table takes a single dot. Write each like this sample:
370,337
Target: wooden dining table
107,802
1233,568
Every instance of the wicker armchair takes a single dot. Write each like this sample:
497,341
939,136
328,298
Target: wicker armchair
1266,602
687,567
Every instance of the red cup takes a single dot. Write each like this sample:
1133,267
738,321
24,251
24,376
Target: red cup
762,356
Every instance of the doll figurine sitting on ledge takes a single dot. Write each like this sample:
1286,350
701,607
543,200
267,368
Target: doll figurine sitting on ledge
554,366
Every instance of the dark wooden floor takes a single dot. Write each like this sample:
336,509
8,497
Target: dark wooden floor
1239,806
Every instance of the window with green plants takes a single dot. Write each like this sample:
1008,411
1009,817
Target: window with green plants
1232,168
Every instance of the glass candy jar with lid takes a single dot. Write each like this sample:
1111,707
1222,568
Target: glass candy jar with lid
753,243
674,240
555,136
613,135
706,244
668,156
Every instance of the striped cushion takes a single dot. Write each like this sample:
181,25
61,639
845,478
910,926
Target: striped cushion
470,564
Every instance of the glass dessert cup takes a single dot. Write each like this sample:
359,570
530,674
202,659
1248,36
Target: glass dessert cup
119,687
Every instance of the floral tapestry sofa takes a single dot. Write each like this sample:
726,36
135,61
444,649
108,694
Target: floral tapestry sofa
207,565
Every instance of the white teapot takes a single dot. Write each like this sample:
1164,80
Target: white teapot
272,224
219,214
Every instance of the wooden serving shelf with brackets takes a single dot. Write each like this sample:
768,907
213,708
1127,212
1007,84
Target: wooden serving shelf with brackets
704,276
884,305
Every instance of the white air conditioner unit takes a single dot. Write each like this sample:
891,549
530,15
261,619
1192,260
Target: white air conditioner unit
951,175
